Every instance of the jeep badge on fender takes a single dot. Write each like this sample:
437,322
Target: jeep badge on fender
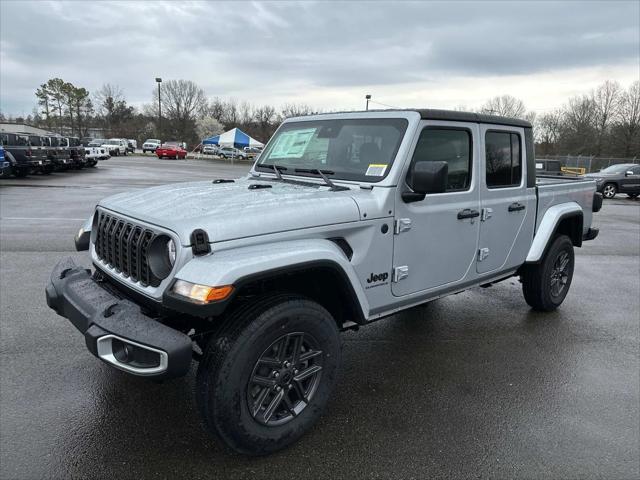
380,277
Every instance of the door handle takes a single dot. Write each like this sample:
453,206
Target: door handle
516,207
468,213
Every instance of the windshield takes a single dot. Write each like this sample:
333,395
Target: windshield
616,168
359,149
152,140
113,142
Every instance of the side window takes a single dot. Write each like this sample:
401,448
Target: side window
635,170
503,159
449,145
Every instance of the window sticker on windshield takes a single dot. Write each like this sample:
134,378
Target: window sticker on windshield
376,170
292,144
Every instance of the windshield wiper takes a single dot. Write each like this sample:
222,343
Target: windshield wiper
323,174
276,168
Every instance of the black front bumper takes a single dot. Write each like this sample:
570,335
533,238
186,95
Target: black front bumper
107,320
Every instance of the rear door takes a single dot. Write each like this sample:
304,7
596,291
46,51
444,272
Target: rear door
436,238
507,214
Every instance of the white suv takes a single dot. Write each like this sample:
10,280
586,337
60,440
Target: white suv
150,145
116,146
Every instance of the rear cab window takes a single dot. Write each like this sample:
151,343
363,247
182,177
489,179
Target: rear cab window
503,159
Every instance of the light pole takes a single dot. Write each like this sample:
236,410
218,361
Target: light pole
159,81
368,97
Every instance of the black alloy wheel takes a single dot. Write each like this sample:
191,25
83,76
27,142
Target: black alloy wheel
560,274
284,379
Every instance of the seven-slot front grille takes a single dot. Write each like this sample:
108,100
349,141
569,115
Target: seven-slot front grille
124,246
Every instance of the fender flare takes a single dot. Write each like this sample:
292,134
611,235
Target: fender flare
548,226
240,266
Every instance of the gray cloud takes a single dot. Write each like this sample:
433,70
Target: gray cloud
261,51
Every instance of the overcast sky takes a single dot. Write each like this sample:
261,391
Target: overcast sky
328,55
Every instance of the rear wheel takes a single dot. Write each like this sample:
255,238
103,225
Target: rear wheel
632,196
265,378
546,284
21,172
609,190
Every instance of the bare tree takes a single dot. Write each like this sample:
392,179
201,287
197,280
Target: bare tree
628,119
295,110
245,114
548,128
182,100
215,109
266,119
578,125
229,115
506,106
606,102
106,98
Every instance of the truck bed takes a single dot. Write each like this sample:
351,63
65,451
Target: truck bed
552,190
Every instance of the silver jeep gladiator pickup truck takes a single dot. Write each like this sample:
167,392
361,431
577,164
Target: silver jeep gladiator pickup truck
343,219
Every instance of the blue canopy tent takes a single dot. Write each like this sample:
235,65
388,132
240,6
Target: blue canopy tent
233,138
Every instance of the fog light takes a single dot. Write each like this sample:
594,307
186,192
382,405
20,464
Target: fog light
201,293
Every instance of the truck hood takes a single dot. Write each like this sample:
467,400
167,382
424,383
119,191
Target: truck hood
228,211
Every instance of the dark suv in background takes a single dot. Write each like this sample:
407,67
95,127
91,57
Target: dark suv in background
74,150
621,178
26,157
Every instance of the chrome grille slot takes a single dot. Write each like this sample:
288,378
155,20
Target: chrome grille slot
124,246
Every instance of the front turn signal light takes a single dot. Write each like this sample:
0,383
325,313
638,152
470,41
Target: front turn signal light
201,293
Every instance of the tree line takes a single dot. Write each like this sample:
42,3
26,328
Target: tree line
603,122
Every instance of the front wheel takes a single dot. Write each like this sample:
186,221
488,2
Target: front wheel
265,378
546,284
609,190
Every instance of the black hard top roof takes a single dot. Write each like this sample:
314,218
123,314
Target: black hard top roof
455,116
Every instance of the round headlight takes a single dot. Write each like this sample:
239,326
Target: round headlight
171,252
162,256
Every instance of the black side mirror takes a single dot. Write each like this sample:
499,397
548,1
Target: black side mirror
424,178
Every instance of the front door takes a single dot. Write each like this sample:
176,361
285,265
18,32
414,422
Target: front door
505,200
436,238
631,183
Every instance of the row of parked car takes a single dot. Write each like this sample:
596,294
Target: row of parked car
230,152
111,146
24,154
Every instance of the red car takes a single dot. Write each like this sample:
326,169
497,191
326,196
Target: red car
171,150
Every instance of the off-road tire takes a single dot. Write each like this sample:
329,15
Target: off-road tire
537,279
21,172
609,190
232,355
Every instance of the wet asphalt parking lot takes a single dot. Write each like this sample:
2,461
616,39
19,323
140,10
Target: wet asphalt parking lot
474,385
